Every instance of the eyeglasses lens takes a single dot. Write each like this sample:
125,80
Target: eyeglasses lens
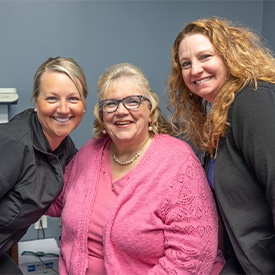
130,103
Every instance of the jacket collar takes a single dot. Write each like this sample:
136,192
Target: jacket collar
40,141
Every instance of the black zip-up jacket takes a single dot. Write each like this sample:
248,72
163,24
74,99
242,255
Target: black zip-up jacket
31,175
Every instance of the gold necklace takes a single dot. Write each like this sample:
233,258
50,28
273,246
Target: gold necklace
138,153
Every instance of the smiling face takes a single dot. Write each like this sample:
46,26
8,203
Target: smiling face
127,127
203,71
59,107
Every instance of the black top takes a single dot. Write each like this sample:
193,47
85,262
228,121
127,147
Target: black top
245,178
31,175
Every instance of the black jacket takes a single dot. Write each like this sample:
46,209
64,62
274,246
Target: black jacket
31,175
245,179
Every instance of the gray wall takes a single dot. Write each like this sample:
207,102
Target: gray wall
100,33
268,22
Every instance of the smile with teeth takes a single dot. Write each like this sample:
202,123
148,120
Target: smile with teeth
62,119
122,122
203,80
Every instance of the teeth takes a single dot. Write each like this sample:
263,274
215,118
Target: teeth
60,119
122,123
203,80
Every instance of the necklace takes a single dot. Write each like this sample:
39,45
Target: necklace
138,153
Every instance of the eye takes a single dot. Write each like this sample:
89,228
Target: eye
74,99
51,99
205,56
110,104
132,101
186,65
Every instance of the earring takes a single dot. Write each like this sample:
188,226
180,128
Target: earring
104,132
84,111
150,128
35,109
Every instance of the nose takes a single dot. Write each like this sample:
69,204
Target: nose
121,108
63,106
196,68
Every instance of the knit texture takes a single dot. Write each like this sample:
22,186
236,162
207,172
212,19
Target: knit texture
163,222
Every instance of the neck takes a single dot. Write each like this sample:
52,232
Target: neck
129,157
54,143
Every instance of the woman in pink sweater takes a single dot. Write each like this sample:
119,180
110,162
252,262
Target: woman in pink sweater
136,200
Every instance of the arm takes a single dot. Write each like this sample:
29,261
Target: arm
56,208
190,224
254,130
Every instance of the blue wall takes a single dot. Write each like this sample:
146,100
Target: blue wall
100,33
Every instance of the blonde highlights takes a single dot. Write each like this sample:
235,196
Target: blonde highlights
114,73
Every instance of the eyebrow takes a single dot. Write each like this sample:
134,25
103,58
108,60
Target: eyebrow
208,51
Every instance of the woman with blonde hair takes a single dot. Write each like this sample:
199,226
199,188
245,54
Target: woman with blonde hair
222,99
35,147
136,199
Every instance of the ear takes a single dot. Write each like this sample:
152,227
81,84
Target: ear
35,103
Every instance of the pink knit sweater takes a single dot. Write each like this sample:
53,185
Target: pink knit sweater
163,222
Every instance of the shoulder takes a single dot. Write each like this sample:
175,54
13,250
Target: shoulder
263,95
92,148
22,117
17,128
172,143
177,150
251,105
252,114
94,144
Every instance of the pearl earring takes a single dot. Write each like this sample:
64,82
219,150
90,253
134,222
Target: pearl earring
150,128
84,111
104,132
35,109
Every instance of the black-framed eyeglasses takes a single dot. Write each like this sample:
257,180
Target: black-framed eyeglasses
130,103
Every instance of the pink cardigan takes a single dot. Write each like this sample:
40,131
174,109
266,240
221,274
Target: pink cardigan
163,222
